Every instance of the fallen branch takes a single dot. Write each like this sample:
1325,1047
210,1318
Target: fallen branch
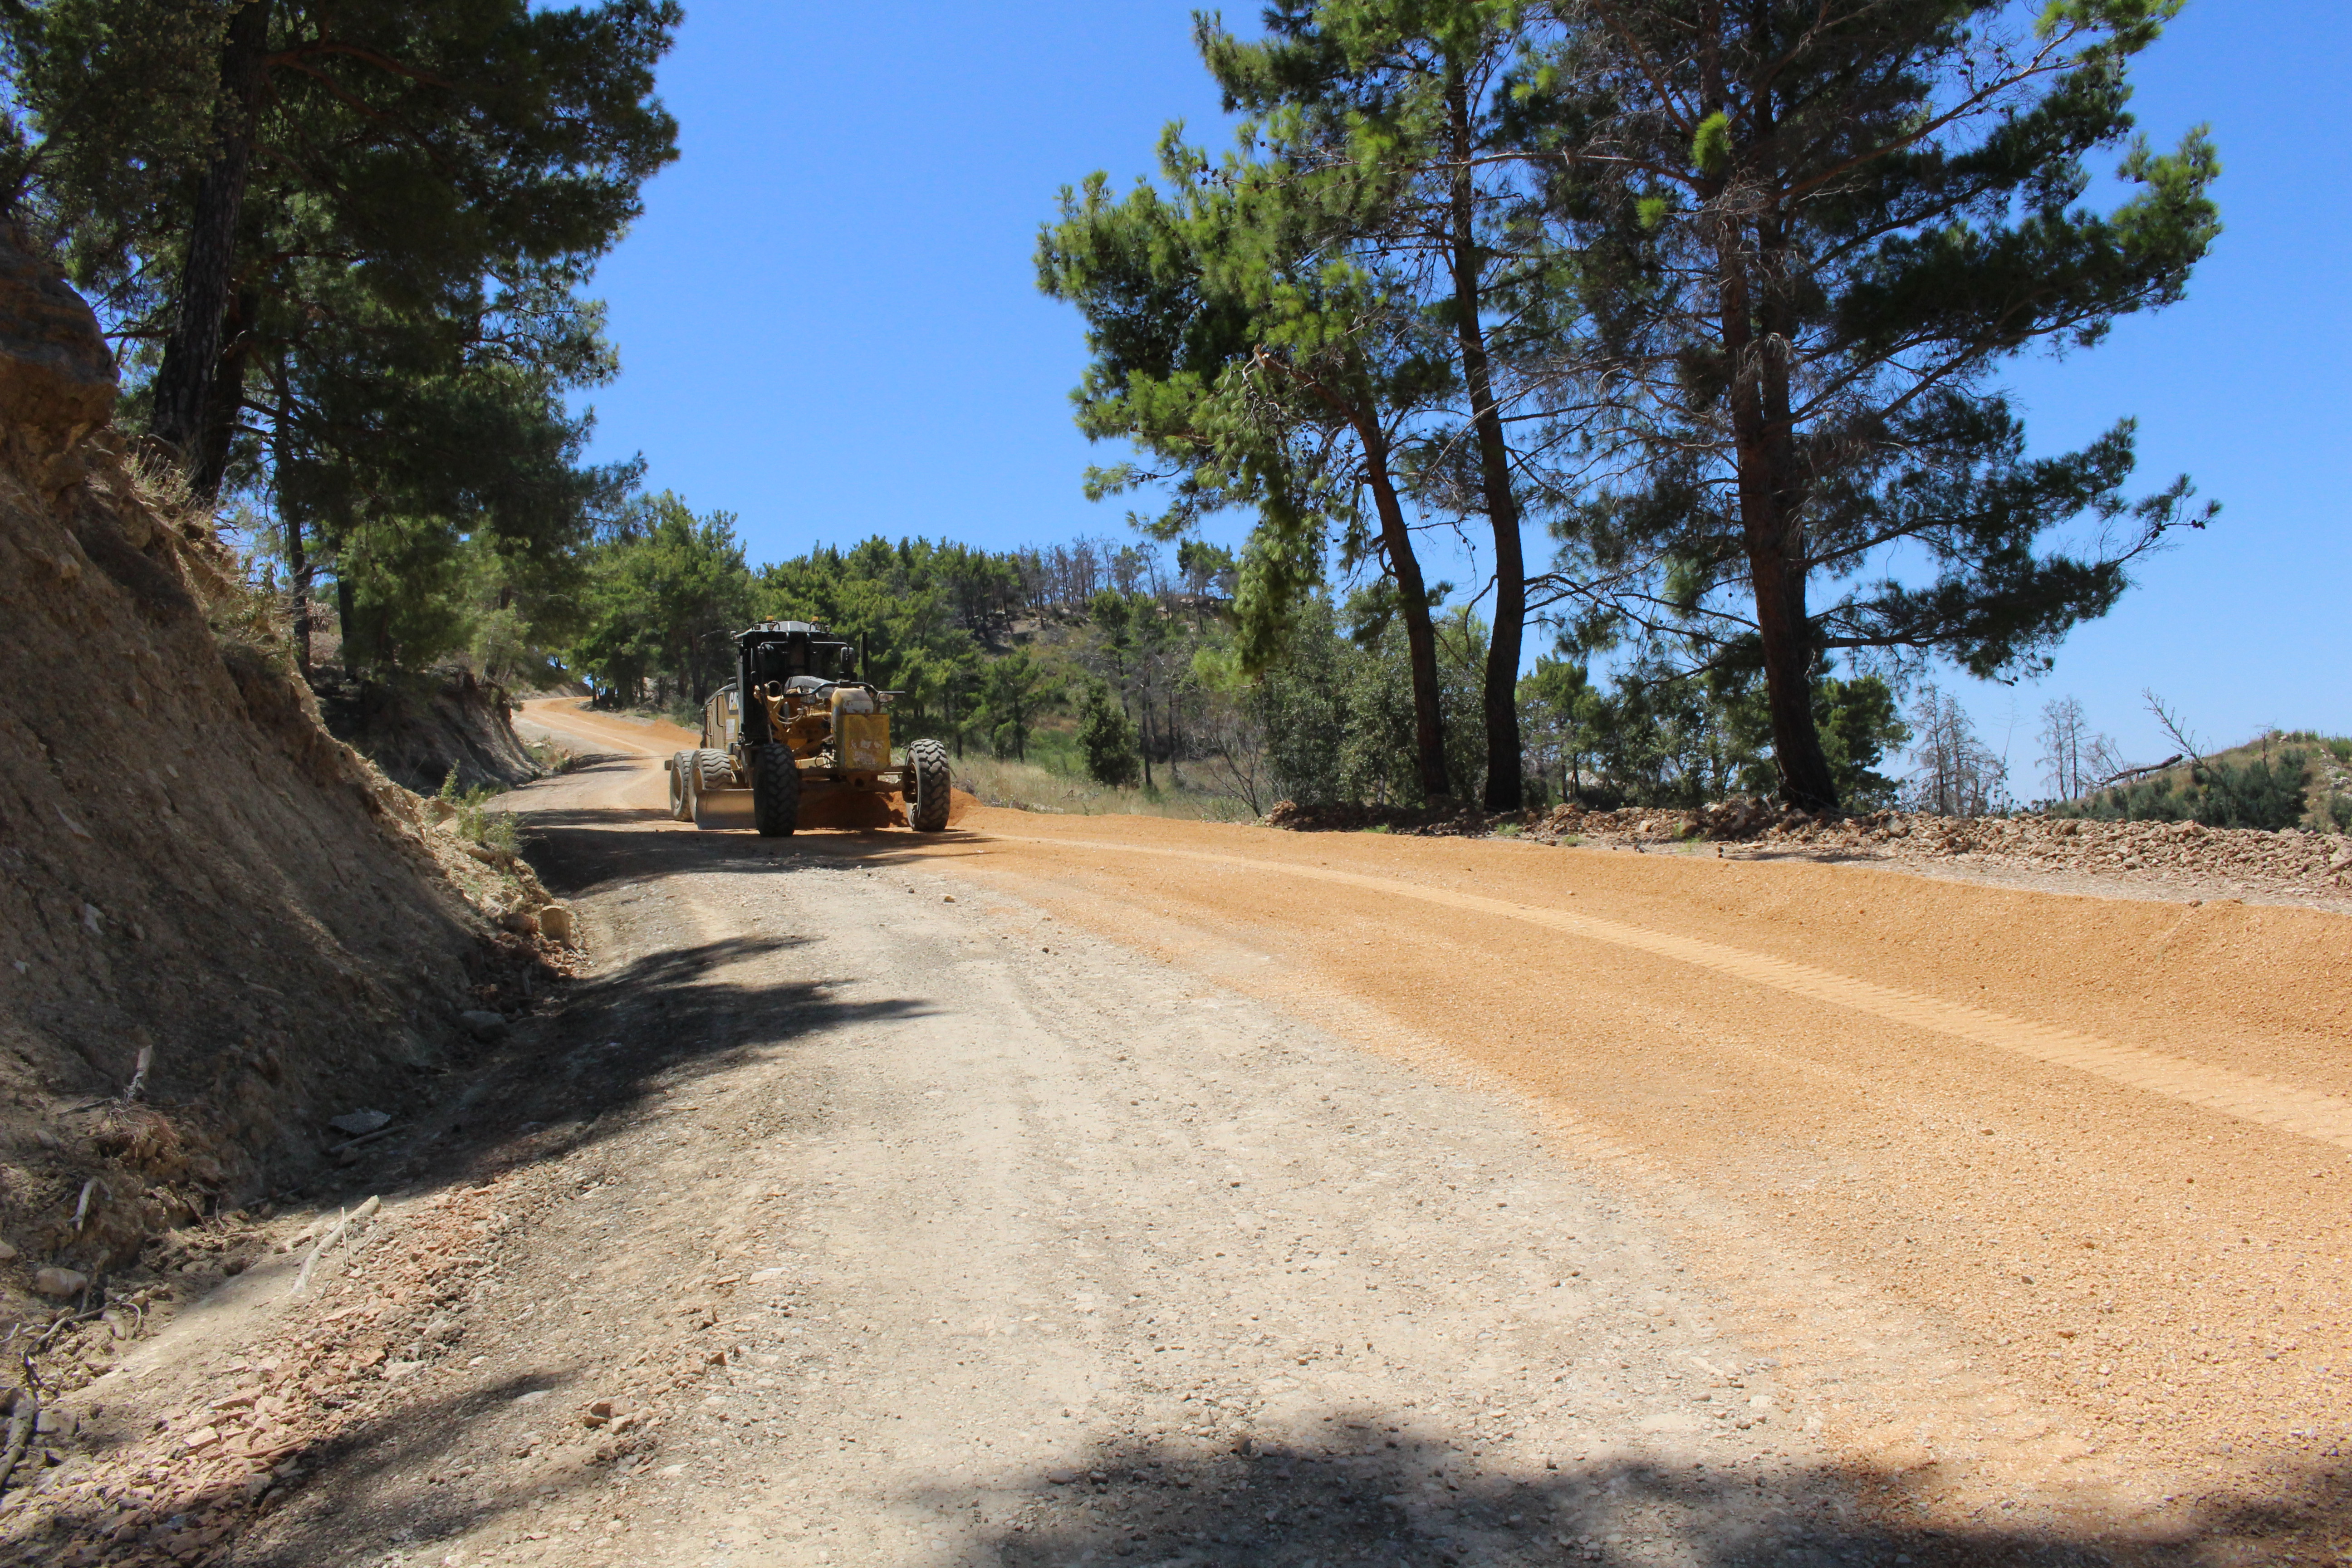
326,1243
2135,772
21,1423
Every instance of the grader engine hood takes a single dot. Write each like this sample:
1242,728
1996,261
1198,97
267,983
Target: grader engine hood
861,731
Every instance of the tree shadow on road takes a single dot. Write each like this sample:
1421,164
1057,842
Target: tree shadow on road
1398,1498
618,1042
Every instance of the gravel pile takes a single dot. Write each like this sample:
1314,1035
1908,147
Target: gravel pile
2291,862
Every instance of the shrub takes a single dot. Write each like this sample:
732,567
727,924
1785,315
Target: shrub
1107,737
2264,792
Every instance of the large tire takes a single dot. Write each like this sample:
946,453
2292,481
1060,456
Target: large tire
717,770
681,787
927,805
775,791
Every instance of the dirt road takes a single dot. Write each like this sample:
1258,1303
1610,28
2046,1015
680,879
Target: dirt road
1063,1190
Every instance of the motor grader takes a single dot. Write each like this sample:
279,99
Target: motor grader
799,727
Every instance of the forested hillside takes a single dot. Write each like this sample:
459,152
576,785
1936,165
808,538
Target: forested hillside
1687,332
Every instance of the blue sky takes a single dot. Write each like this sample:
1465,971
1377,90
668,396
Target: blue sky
829,323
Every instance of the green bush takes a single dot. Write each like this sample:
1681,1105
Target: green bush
475,820
2263,792
1107,736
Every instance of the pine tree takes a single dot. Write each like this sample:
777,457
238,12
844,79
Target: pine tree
342,246
1248,348
1107,738
1809,237
1404,107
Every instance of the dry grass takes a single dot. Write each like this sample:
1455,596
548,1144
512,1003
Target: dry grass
1026,786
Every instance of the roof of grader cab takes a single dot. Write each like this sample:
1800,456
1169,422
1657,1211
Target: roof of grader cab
771,631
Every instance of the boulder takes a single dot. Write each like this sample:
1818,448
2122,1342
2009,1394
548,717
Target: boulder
57,378
60,1284
482,1023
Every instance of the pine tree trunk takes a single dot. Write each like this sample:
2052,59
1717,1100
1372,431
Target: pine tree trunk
297,557
1756,324
225,400
1412,604
1504,763
185,380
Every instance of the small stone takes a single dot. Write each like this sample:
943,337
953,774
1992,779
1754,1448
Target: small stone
482,1023
947,898
7,1253
359,1123
396,1370
202,1437
57,1284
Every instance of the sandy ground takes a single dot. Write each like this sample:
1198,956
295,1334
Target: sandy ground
1066,1190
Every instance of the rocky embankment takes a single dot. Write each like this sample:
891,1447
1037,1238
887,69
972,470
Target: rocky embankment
2170,856
226,938
421,730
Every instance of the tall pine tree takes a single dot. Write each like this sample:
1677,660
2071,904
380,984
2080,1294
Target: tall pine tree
1811,234
1406,102
1245,341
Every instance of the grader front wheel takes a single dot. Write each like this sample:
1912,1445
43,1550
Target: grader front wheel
775,791
927,805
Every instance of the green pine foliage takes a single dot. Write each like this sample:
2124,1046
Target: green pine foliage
1107,738
1655,738
1336,708
341,249
2264,792
1810,248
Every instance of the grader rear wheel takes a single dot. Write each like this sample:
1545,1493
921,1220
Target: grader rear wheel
681,787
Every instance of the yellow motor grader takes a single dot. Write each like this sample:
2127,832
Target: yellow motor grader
798,728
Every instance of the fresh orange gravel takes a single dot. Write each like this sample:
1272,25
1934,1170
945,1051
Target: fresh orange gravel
2101,1144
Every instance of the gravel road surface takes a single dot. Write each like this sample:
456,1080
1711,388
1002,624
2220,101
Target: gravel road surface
1065,1191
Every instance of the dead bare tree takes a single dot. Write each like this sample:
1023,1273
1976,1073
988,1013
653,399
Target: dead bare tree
1954,772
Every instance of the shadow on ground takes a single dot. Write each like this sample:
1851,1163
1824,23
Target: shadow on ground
1392,1497
614,1043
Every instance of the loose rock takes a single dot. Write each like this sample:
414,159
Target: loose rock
58,1284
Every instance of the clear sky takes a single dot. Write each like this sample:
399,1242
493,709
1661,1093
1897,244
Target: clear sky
829,323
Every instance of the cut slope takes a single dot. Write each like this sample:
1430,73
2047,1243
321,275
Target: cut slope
194,872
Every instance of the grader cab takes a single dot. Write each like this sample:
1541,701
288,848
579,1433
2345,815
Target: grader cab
796,727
